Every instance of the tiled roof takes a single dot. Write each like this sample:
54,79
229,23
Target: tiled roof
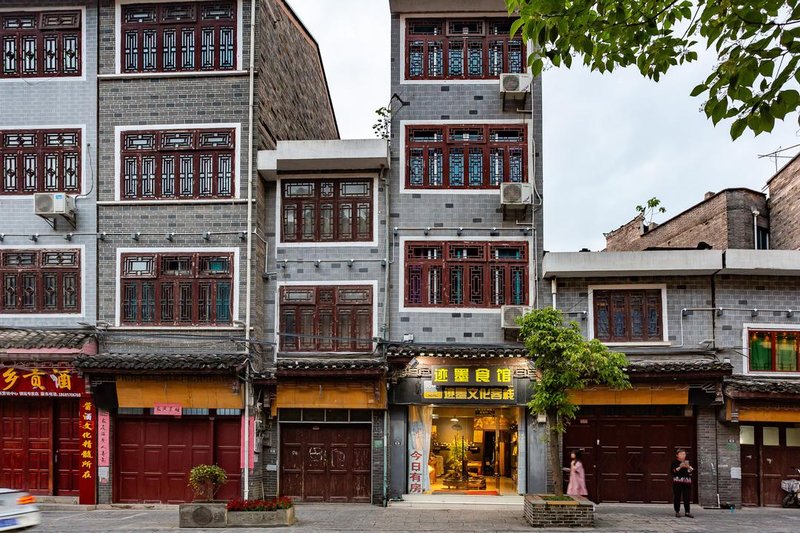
469,351
330,364
138,362
762,385
674,365
30,339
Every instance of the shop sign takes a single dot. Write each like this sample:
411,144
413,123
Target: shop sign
88,434
103,439
40,382
478,376
468,394
167,409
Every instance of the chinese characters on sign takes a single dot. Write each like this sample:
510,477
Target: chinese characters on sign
168,409
470,394
476,376
87,430
38,382
103,438
415,476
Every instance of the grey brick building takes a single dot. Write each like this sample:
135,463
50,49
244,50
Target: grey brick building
188,93
48,247
712,339
465,212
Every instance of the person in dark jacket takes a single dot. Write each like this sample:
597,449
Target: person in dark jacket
681,472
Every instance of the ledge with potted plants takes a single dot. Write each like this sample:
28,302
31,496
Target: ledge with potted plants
205,481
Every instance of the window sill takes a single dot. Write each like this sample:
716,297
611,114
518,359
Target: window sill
201,74
175,202
473,310
635,343
178,328
771,374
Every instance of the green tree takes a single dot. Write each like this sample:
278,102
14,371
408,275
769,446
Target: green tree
757,44
650,208
564,361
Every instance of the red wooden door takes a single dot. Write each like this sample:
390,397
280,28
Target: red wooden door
750,474
627,459
67,446
154,456
330,463
26,445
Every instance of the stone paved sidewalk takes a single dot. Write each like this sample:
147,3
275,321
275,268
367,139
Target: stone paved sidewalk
330,518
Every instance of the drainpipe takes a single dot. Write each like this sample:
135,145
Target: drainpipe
249,262
554,290
755,228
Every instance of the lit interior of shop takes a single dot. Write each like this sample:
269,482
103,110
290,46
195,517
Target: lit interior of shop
473,451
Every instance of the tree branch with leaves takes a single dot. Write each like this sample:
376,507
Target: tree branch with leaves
757,44
565,362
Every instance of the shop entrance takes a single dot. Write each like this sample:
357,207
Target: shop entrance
474,451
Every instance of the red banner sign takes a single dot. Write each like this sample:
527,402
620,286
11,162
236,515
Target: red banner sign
87,430
167,409
41,382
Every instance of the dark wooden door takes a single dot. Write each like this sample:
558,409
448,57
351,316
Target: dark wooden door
627,459
26,445
326,463
750,475
154,456
778,461
67,446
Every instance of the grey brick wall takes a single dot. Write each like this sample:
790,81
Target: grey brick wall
717,452
47,103
784,208
465,103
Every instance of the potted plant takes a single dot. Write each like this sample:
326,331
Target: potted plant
205,481
260,513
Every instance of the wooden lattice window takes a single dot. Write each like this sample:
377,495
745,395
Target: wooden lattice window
40,281
628,315
465,156
178,37
327,210
40,44
178,164
177,289
326,318
450,49
774,351
466,274
40,161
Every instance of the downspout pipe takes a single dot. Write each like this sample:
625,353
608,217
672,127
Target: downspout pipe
249,262
385,328
755,229
554,291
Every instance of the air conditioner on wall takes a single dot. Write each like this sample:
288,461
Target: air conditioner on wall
516,194
515,86
54,205
510,313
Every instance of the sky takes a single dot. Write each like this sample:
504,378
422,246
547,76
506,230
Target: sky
610,141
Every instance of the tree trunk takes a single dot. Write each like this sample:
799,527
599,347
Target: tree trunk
555,457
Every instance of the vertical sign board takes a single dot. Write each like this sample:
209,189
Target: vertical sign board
103,445
88,435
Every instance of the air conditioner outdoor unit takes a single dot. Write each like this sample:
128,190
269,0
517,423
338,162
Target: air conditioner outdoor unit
52,204
510,313
516,194
515,86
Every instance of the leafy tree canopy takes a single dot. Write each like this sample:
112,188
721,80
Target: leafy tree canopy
757,42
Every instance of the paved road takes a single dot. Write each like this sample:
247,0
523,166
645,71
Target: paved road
329,518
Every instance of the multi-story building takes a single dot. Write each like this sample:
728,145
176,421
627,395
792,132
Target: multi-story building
466,224
189,91
48,245
712,339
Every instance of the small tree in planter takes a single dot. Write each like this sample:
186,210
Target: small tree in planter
564,361
206,480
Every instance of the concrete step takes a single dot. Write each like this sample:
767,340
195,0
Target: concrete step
456,501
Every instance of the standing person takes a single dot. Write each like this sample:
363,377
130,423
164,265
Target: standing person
577,479
681,472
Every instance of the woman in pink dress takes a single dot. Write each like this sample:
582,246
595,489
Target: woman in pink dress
577,481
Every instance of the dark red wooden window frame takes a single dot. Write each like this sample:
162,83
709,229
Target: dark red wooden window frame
445,38
622,300
161,150
17,153
156,41
773,334
40,272
433,268
446,145
336,202
323,309
45,29
166,286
